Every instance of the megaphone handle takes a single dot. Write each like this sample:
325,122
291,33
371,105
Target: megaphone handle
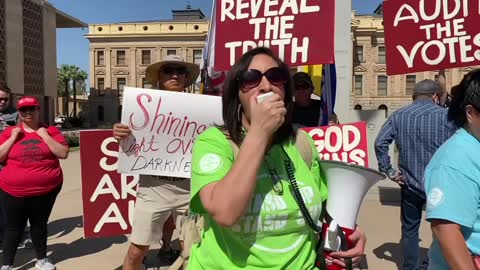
322,254
344,247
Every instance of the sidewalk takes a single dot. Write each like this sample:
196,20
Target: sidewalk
69,250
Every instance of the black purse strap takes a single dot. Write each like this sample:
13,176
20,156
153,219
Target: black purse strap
309,220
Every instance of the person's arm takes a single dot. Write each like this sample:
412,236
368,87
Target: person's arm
452,204
7,143
382,144
227,199
58,149
452,244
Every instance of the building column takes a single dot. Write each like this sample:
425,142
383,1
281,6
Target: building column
108,67
50,62
132,68
343,58
92,68
14,46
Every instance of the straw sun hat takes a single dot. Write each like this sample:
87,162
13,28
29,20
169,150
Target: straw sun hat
192,70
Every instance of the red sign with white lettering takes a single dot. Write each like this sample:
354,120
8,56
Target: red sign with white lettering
108,197
347,143
300,32
431,35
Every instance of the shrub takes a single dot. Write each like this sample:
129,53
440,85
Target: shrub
72,139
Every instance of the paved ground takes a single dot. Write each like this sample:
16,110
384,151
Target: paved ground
66,245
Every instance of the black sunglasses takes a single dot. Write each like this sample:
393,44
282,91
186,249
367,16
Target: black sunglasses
3,99
252,78
28,109
174,70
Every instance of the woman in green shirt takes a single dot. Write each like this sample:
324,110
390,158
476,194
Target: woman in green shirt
252,220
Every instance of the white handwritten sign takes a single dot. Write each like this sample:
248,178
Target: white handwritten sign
164,127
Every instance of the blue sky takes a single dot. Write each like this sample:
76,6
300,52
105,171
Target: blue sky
72,46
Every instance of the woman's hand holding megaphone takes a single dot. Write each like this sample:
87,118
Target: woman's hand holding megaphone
358,239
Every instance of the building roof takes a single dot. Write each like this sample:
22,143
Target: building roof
188,14
379,10
66,21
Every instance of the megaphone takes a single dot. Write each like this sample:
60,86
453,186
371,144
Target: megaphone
347,186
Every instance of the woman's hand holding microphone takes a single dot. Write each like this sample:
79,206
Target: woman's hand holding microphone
267,116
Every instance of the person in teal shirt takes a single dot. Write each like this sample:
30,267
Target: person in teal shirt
452,184
252,220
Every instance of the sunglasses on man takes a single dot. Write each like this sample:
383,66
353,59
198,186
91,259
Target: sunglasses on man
252,78
4,99
174,70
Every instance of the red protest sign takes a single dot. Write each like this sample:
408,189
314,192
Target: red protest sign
108,197
347,143
431,34
301,32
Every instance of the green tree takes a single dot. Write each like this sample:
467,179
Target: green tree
79,76
65,74
69,78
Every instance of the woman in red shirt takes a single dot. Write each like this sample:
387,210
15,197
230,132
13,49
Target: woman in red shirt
30,180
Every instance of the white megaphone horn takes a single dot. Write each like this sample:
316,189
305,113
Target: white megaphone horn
347,186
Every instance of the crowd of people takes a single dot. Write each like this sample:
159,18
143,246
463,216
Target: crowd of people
247,172
227,195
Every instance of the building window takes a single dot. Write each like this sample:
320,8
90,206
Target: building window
121,58
410,84
171,52
358,85
100,85
382,85
358,107
101,114
381,55
146,57
100,58
359,53
121,82
197,57
146,83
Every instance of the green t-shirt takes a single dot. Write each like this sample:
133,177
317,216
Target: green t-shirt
273,233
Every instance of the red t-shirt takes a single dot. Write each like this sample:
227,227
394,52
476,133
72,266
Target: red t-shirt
31,169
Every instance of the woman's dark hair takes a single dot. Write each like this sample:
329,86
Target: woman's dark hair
231,107
466,93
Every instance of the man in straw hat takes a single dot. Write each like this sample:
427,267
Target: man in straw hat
158,197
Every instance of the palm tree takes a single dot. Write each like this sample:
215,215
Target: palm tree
78,76
65,74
